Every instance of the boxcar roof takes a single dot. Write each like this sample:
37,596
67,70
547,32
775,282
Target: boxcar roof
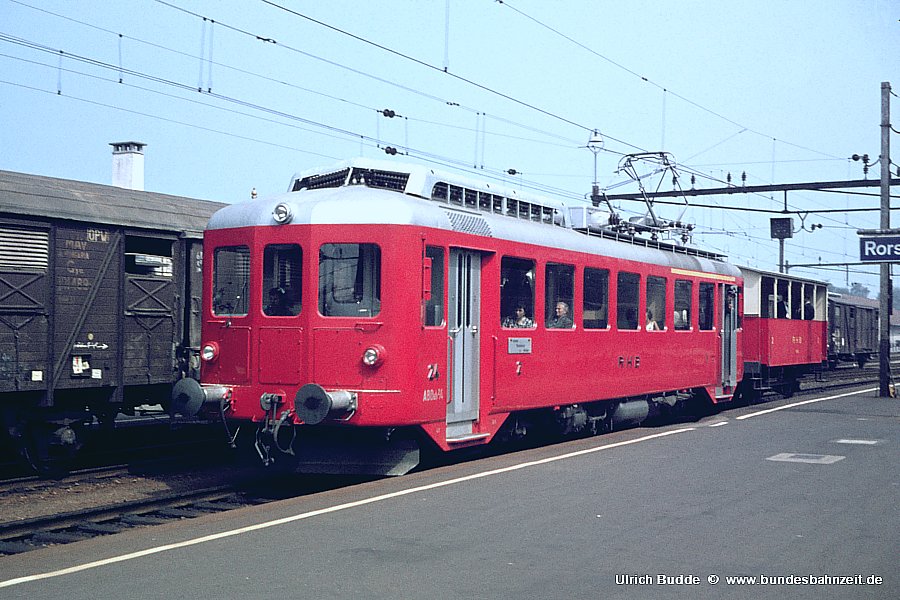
22,194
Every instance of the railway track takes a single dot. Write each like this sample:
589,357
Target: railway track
122,500
844,376
38,532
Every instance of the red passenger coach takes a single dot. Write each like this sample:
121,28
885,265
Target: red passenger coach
376,307
785,334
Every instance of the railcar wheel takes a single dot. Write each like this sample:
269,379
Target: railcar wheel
51,448
48,448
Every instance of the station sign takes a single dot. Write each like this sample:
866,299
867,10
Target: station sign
879,248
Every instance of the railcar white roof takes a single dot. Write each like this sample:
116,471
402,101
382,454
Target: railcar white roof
758,273
423,178
360,204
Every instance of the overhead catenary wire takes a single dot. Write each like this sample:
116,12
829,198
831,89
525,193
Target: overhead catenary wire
423,152
664,89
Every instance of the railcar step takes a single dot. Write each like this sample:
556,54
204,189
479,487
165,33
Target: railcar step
468,438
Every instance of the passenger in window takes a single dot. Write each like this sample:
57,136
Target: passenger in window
520,319
782,308
809,311
651,322
277,304
562,319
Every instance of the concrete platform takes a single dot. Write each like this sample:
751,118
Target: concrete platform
801,495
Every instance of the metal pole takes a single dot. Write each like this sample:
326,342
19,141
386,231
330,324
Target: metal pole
781,256
884,350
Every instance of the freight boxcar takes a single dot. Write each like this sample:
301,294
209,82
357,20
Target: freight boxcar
852,329
99,305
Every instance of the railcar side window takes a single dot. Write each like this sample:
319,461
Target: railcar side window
683,290
516,291
434,306
596,299
707,305
627,293
349,280
809,302
559,291
796,300
656,303
282,272
781,299
231,281
768,300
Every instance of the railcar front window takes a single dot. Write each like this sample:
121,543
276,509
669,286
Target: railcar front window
231,281
281,285
349,280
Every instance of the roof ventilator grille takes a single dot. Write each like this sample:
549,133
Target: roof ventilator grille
373,178
327,180
466,223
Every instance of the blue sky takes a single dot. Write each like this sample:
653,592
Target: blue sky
785,91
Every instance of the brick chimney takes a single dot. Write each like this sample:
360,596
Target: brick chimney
128,165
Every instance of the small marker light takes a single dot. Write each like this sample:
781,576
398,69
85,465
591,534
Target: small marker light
282,213
374,355
209,352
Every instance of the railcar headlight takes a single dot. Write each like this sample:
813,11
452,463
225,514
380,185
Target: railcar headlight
282,213
209,352
374,355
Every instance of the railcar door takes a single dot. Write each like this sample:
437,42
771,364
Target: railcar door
463,351
729,296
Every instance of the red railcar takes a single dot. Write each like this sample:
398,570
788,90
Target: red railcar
375,307
784,330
